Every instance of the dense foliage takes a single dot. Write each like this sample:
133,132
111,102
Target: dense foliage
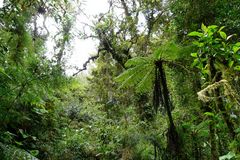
164,84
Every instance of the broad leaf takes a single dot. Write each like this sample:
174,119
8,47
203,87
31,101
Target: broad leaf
223,35
195,55
195,33
204,28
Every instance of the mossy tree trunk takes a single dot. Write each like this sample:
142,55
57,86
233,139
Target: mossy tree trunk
162,97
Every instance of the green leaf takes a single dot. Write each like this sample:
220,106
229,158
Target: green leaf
133,76
195,34
230,155
146,82
230,63
235,49
18,143
195,62
23,134
40,111
237,44
237,130
8,136
237,68
34,152
204,28
209,114
195,55
136,61
223,35
166,50
198,44
221,28
212,27
140,74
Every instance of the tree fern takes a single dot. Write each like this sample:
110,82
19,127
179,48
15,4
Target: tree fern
140,74
148,73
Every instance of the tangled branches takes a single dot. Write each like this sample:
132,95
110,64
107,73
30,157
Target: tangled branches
205,94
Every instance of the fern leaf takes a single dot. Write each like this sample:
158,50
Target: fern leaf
137,61
147,81
131,76
168,50
134,75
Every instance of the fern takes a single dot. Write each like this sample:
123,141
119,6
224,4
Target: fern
139,75
168,51
14,153
138,61
140,72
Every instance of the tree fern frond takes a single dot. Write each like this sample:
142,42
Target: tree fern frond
168,50
141,69
137,61
129,72
147,81
133,75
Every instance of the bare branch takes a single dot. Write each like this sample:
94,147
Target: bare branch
93,58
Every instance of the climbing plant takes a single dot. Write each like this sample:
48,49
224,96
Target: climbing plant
217,58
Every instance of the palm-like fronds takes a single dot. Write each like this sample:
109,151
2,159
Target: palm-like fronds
147,73
140,74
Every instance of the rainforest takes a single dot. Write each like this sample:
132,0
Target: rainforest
162,84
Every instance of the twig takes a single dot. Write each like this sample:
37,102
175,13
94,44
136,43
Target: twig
86,63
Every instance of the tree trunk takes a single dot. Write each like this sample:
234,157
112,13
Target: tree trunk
220,105
214,152
172,135
216,77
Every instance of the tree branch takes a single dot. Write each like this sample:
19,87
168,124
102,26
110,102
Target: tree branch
86,63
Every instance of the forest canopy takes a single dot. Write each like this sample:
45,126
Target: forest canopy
163,84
